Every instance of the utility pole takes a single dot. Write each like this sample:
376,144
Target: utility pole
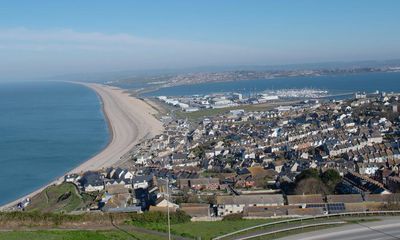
169,222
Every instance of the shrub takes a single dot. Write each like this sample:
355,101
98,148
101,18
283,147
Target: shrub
159,217
233,217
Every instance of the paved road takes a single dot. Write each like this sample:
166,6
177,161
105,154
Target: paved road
387,229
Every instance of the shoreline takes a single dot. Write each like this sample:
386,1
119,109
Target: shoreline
106,118
129,120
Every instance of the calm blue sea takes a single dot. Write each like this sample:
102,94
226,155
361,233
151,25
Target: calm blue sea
368,82
46,129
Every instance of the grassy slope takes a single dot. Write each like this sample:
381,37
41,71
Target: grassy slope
208,230
50,200
205,230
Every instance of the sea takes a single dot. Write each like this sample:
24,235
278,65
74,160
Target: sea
334,84
46,129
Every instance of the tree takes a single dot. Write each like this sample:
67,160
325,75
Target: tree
331,178
311,186
308,173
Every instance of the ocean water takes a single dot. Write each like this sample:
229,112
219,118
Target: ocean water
46,129
335,84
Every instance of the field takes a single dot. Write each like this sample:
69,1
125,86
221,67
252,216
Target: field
205,230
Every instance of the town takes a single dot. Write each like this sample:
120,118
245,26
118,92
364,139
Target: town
224,100
307,159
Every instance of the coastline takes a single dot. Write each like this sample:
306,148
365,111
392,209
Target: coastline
129,119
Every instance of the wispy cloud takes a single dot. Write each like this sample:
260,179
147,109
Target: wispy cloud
51,50
55,39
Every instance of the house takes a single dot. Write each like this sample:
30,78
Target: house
163,203
118,173
305,211
197,210
142,181
344,198
73,178
266,212
367,168
178,157
303,200
92,181
116,189
199,183
116,196
364,184
235,204
123,182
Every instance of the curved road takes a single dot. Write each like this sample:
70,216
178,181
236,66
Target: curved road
386,229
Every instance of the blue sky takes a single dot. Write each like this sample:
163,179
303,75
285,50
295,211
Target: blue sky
41,38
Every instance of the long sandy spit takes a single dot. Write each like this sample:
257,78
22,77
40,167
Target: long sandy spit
130,120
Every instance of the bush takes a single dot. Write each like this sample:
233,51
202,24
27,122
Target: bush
159,217
38,217
233,217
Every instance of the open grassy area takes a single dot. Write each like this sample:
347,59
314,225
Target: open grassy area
205,230
75,235
59,198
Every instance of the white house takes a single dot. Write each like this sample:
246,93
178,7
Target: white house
235,204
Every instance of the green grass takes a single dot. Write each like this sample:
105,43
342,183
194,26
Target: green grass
209,230
75,235
205,230
59,198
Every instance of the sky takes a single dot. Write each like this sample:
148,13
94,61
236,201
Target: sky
47,37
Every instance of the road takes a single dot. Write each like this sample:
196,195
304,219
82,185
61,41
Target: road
387,229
